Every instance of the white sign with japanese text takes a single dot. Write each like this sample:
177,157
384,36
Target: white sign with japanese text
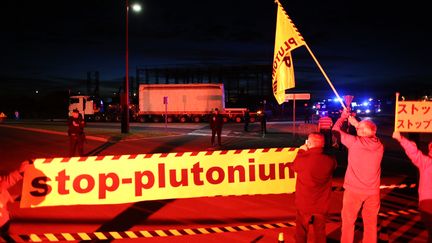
413,116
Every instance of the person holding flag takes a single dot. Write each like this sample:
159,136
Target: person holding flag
362,177
287,39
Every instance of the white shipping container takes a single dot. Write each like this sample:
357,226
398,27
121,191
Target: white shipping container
182,98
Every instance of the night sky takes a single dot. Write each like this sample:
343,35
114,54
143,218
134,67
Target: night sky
364,48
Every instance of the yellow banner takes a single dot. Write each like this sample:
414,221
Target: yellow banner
132,178
287,39
413,116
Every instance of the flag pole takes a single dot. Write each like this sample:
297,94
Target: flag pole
325,76
316,61
396,113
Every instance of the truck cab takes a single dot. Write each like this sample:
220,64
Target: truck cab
95,109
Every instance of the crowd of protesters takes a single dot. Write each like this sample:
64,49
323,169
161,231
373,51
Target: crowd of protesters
314,168
361,181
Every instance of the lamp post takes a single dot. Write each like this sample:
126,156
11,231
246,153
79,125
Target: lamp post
125,106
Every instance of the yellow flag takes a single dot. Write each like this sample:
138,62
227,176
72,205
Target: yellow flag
287,39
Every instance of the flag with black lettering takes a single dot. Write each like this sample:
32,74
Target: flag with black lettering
287,39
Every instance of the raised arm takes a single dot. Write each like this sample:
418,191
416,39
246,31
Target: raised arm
414,154
346,139
13,177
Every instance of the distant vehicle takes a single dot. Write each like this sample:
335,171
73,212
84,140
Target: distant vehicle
237,115
94,109
368,107
185,102
176,102
332,107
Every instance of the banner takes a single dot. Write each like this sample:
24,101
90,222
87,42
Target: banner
287,39
413,116
132,178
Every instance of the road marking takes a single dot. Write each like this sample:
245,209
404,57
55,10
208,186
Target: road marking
393,186
226,133
100,139
113,235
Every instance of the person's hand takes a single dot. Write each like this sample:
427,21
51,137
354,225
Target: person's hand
23,166
304,147
396,135
353,121
345,114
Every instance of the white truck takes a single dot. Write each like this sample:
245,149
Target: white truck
94,109
184,102
157,102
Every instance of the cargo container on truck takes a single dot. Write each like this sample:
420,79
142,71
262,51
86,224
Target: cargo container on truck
157,102
184,102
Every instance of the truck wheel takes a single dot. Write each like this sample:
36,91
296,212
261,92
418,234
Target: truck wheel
197,119
156,119
98,118
225,119
141,119
252,120
108,118
238,119
183,119
170,119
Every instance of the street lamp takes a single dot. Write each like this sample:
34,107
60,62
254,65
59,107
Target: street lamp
125,107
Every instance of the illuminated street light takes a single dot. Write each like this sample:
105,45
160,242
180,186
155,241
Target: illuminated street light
125,106
136,7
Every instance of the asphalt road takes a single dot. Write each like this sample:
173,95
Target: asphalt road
269,214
